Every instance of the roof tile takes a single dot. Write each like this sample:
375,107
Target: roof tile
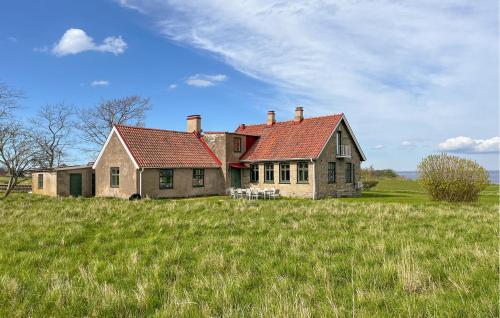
290,139
158,148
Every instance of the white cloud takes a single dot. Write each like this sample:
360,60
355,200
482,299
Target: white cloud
172,86
406,143
463,144
202,80
99,83
75,41
378,147
414,66
12,39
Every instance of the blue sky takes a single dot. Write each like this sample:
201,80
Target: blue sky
413,77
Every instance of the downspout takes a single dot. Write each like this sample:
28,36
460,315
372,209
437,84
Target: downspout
140,182
314,181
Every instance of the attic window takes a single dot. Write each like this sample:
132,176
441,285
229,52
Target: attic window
115,177
237,144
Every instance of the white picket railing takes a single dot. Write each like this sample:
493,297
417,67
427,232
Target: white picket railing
344,151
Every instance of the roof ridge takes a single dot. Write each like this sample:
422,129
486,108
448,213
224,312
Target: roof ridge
156,129
292,120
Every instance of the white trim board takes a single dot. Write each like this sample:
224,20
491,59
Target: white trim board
114,130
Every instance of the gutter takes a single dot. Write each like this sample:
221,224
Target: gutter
140,182
314,181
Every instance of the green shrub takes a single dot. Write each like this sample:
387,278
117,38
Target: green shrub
372,174
368,184
453,179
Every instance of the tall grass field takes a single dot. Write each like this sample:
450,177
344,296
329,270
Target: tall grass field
392,252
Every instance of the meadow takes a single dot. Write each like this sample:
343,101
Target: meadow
392,252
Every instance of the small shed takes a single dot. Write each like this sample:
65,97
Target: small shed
64,181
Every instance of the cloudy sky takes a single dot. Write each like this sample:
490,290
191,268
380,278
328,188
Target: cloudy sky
412,77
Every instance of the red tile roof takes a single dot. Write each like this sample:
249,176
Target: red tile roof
158,148
290,139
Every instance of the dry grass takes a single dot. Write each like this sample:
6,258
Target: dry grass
220,257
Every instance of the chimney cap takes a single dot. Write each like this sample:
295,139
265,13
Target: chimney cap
270,111
299,108
193,116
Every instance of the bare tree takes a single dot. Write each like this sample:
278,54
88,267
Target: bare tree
95,123
8,100
52,127
17,152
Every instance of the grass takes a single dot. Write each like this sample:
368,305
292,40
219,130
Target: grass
5,180
391,252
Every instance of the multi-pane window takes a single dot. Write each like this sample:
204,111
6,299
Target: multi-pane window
269,173
40,181
237,144
166,178
285,172
339,141
348,172
115,177
302,172
198,177
331,172
254,173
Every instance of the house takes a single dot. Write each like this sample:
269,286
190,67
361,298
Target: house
305,157
64,181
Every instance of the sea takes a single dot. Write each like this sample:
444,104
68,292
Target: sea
494,175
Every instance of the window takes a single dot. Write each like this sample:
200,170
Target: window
198,177
269,173
166,178
348,172
237,144
115,177
339,141
285,172
331,172
40,181
302,172
254,173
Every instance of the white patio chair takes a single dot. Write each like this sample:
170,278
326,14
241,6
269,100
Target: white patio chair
255,194
249,194
232,193
239,193
275,193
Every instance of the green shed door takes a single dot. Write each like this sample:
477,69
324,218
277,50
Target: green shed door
235,178
75,184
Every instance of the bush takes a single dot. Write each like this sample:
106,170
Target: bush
371,174
368,184
453,179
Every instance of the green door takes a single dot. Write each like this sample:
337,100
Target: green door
235,178
75,184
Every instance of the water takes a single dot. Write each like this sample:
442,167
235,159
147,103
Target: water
494,175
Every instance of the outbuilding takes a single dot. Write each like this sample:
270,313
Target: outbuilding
64,181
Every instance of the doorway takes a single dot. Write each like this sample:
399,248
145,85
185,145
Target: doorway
235,178
75,184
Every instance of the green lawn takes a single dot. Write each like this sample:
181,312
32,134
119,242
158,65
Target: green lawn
5,180
391,252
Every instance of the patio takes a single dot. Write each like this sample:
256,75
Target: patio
254,193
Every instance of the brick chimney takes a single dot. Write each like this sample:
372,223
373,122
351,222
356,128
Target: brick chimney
194,123
299,114
271,118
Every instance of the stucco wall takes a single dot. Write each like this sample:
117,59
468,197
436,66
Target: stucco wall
222,146
183,184
49,183
63,181
292,189
340,187
115,155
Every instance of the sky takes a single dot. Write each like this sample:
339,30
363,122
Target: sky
412,77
